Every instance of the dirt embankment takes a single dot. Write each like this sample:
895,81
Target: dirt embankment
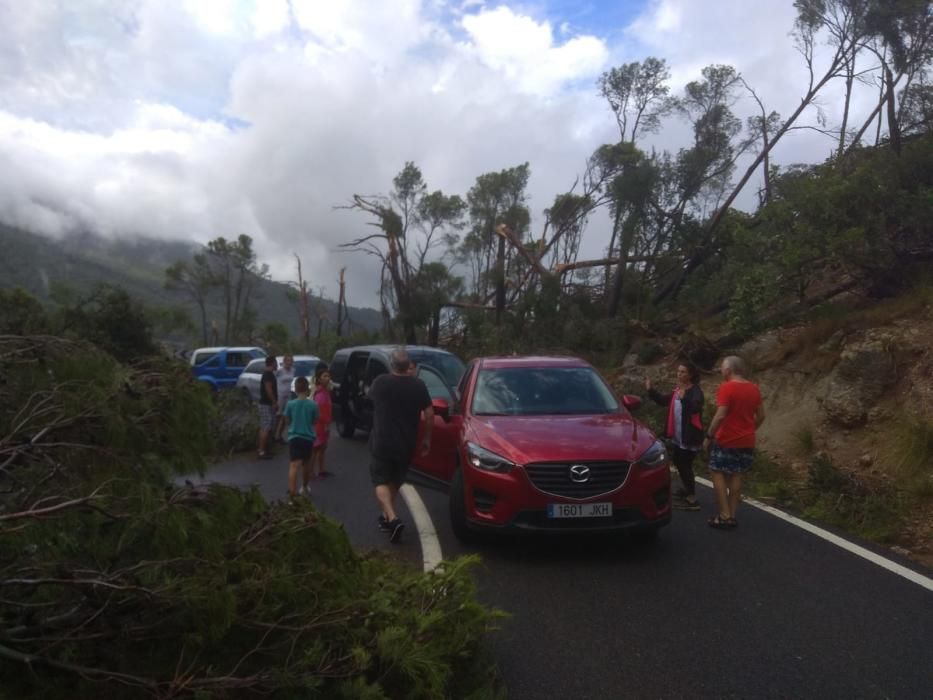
855,393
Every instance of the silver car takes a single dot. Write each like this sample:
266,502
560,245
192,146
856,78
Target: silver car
249,380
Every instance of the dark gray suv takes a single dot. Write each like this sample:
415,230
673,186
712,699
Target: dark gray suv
353,370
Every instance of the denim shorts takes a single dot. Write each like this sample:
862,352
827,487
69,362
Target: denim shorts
731,460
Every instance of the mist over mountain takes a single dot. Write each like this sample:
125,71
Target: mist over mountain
81,260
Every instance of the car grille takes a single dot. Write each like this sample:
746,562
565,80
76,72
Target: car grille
554,478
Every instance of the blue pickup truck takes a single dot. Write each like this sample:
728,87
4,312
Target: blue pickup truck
220,367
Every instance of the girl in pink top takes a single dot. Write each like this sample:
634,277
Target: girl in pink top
322,427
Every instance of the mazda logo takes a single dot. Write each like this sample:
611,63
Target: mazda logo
579,473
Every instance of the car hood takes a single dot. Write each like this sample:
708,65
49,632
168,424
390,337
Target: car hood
527,439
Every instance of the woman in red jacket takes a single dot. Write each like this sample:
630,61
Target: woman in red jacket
684,429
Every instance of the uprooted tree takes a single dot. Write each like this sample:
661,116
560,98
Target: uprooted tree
673,247
121,579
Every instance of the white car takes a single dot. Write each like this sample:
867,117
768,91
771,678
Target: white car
248,381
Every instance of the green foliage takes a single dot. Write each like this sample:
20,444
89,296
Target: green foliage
21,313
910,455
841,498
133,586
804,441
754,294
113,320
275,337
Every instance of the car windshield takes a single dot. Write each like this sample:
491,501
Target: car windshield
542,391
304,368
449,366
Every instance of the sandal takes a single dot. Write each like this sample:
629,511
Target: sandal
732,522
720,523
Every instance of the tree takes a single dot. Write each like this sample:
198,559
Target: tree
113,320
637,95
21,313
917,107
412,222
195,279
235,270
495,198
304,305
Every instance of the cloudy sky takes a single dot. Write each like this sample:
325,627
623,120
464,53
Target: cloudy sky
199,118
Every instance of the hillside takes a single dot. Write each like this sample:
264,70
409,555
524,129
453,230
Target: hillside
37,263
848,438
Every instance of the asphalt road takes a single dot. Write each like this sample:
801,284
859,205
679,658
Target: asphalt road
766,611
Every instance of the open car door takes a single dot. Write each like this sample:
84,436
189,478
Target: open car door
441,461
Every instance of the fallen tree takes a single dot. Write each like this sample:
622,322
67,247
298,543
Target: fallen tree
120,579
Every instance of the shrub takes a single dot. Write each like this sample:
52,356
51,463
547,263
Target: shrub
117,584
873,511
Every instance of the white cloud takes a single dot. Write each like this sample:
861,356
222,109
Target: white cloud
259,116
270,17
524,50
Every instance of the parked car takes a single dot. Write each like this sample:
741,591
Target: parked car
249,380
542,443
221,367
353,370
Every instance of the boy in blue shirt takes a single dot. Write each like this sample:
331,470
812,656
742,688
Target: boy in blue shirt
300,415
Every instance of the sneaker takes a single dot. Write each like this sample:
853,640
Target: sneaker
396,526
686,504
384,524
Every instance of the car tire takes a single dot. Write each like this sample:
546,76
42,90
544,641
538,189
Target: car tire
345,424
458,518
246,396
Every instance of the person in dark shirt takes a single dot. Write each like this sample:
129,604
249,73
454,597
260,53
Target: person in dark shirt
399,401
268,407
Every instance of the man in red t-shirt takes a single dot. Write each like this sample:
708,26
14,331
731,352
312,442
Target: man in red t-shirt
739,412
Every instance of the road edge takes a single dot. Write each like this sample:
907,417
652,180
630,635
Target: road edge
841,542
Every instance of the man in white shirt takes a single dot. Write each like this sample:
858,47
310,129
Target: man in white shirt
283,377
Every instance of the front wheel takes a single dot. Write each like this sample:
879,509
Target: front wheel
345,424
458,518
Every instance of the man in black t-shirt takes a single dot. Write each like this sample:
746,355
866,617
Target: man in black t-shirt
399,400
268,406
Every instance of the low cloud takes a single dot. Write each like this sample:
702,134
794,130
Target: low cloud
195,120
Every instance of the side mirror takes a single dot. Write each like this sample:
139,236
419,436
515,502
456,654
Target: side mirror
441,408
632,403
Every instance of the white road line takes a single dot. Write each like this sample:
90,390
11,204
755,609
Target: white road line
855,549
430,545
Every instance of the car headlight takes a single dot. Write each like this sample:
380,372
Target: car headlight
654,456
481,458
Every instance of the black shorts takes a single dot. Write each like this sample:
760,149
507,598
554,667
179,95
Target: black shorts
299,448
383,470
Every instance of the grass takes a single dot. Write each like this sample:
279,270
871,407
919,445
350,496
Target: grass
910,457
804,441
826,320
830,496
873,511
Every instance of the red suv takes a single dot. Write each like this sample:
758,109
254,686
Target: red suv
542,443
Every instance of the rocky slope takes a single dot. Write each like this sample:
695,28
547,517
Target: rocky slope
850,397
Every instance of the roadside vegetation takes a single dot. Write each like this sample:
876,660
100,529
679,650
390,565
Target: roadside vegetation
120,579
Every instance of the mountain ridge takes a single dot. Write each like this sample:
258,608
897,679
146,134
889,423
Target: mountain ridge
79,261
